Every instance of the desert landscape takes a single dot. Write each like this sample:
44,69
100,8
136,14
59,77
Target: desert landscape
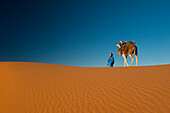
49,88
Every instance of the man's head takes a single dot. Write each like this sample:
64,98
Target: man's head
111,54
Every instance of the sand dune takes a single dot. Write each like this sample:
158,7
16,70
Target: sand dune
48,88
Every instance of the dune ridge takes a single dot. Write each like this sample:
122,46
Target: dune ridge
48,88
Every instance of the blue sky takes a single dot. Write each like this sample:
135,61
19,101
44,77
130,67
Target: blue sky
84,32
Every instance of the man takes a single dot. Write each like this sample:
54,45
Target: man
110,61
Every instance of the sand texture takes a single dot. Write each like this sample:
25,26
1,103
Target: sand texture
49,88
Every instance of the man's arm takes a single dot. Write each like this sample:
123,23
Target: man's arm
107,63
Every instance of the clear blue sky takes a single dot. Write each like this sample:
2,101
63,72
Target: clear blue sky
84,32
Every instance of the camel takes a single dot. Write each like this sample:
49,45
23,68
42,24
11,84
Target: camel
127,48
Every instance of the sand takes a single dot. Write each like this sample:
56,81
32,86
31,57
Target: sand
49,88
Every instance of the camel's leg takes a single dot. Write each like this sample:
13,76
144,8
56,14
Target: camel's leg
125,60
132,59
136,59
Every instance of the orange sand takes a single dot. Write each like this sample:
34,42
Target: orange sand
48,88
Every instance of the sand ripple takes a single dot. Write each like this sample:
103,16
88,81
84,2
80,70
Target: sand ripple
47,88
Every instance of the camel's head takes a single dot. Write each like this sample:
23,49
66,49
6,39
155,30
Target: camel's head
119,44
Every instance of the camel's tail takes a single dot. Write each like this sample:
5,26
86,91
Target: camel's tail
135,50
136,53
